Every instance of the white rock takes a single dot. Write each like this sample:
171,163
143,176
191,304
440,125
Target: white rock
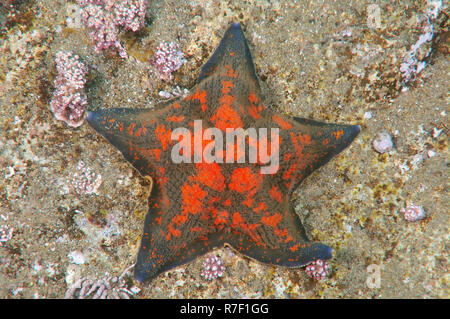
383,142
77,257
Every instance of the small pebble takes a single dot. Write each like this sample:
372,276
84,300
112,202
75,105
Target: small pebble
77,257
383,143
367,115
413,213
431,153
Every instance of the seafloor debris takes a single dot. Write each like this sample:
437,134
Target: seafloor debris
415,59
177,92
423,144
5,233
21,52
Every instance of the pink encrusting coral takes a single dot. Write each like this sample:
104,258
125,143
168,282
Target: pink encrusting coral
167,59
106,17
212,267
318,269
69,100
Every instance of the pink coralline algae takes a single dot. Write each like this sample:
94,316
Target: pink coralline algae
167,59
212,268
318,269
383,143
413,213
106,17
69,100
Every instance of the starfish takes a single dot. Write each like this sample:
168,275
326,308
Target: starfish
198,205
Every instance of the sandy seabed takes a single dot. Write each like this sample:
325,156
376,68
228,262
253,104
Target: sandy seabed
333,61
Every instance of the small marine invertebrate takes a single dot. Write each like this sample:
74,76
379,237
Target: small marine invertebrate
413,213
212,267
167,59
383,142
106,17
318,269
109,288
84,180
69,100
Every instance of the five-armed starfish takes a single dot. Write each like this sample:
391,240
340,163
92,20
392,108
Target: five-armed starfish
195,207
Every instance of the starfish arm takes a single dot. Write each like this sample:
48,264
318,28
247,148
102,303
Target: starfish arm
232,56
308,144
176,231
298,255
186,218
277,239
262,223
143,136
156,249
156,257
127,130
159,250
330,138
